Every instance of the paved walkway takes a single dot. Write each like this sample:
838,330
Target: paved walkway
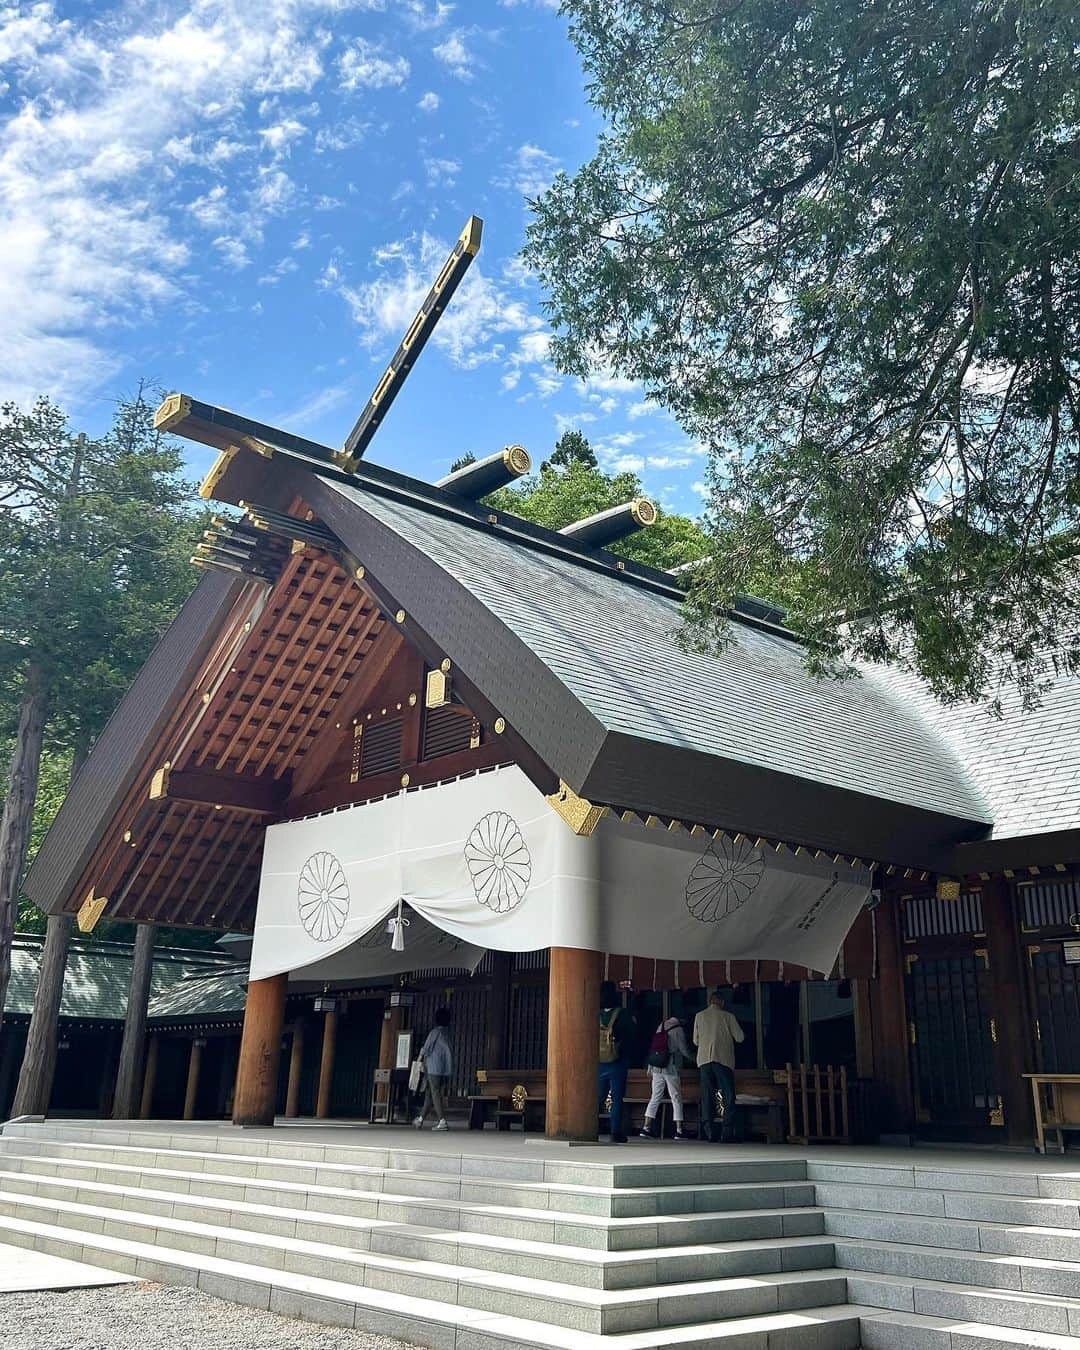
22,1269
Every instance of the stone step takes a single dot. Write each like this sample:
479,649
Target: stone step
428,1320
996,1208
1033,1275
910,1331
588,1267
1053,1183
627,1202
597,1310
276,1145
967,1303
585,1231
1002,1239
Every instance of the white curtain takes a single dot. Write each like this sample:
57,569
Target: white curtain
487,861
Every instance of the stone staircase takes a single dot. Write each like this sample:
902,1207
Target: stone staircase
540,1248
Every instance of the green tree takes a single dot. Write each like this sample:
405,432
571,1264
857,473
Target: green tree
837,241
94,537
557,497
572,447
463,461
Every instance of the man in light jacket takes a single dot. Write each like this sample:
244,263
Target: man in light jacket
716,1034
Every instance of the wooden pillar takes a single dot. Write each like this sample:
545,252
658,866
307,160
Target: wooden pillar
146,1105
129,1073
1012,1042
260,1051
888,1006
39,1058
864,1029
498,1011
573,1019
326,1064
194,1065
393,1018
296,1068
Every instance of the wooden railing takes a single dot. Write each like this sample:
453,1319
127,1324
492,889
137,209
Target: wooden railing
818,1104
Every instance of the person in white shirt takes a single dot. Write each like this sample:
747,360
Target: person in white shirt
716,1034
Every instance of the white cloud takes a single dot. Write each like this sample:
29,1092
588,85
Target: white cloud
366,65
342,134
101,123
281,135
699,488
429,102
317,406
472,331
442,172
455,56
643,409
422,16
531,171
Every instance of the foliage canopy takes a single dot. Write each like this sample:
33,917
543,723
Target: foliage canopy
839,242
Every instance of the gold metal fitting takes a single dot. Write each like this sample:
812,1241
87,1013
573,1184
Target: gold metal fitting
399,617
580,814
471,234
517,459
643,511
171,411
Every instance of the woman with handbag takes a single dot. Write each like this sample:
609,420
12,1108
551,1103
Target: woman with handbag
669,1050
437,1059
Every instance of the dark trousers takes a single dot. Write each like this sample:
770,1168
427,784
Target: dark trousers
717,1078
613,1080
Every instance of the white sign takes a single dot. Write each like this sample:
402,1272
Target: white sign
486,861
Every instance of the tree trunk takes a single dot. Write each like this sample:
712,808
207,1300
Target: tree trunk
19,812
129,1074
39,1058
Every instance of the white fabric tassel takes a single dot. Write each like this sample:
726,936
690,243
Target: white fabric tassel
398,924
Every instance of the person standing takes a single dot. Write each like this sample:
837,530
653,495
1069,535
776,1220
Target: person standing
669,1051
716,1034
616,1033
437,1058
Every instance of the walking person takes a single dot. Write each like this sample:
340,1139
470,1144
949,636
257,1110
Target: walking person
716,1034
437,1057
669,1051
616,1034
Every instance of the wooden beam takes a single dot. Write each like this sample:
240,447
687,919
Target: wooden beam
191,1092
146,1106
573,1021
374,665
344,652
129,1070
326,1064
297,645
254,796
296,1067
260,1051
1013,1048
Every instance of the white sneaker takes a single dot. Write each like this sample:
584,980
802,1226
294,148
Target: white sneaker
418,1123
442,1125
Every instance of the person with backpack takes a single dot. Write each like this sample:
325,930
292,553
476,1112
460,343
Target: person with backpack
616,1034
669,1050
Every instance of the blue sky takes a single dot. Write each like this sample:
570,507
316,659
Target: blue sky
246,200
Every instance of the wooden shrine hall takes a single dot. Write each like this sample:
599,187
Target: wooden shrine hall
360,639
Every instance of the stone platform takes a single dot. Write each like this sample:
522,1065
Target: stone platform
476,1241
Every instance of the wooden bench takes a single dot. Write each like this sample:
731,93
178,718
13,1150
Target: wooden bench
1056,1098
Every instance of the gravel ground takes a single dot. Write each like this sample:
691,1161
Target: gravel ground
161,1317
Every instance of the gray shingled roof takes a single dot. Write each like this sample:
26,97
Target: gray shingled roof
214,995
612,644
98,976
1027,764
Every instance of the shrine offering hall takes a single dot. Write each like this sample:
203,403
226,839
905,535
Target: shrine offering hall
420,753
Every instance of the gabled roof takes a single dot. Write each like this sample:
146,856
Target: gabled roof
576,652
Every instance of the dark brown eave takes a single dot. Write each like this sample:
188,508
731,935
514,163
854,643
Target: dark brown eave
1020,853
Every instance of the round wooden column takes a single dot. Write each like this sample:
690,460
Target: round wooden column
391,1025
326,1066
296,1066
194,1065
149,1079
573,1019
260,1051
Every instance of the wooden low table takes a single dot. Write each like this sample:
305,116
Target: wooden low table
1056,1098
